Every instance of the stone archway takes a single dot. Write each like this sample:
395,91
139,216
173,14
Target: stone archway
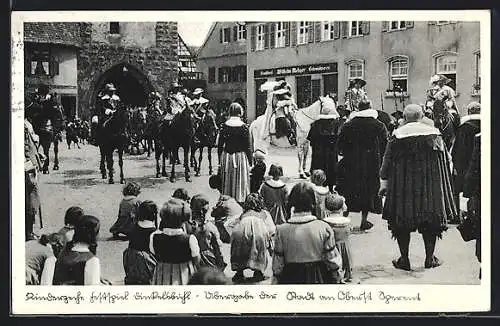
132,85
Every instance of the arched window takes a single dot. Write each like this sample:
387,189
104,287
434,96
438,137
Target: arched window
355,69
446,65
398,73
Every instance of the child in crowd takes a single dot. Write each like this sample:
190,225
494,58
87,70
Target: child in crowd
226,213
182,194
275,194
209,276
335,206
127,211
318,178
41,258
177,252
138,261
258,171
207,234
71,218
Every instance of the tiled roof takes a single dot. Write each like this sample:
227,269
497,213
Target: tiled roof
53,33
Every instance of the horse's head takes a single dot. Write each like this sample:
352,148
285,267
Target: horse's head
323,104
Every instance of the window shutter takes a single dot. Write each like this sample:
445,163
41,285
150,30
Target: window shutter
234,73
220,75
345,29
385,26
235,33
293,33
336,31
365,27
56,66
409,24
51,67
272,35
287,33
266,36
221,39
253,31
310,32
317,31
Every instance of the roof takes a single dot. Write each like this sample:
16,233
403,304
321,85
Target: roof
53,33
210,31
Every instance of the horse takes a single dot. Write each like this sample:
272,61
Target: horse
138,126
47,123
303,119
446,121
114,135
174,133
205,135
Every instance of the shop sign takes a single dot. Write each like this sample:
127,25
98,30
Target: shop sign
321,68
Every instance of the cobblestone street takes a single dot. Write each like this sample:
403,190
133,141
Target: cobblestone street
78,182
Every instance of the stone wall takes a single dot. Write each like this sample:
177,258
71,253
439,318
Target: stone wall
155,65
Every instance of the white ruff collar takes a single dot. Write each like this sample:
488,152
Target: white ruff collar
470,117
412,129
234,122
146,224
275,183
328,116
301,218
368,113
321,190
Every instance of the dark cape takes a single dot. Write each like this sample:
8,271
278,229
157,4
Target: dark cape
462,149
362,143
419,192
323,137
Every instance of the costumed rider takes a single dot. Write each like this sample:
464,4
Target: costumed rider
47,109
440,90
177,98
106,105
355,94
282,108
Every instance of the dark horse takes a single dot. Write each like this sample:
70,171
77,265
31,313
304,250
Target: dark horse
174,133
446,121
113,135
205,135
138,124
47,120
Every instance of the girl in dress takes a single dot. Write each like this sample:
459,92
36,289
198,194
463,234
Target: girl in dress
177,252
71,218
234,151
182,194
207,234
127,211
41,258
78,263
258,171
304,251
138,261
318,178
251,240
275,193
335,206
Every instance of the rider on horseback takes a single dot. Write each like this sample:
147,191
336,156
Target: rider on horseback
177,98
442,92
106,105
284,109
355,93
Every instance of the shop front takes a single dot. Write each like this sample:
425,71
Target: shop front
308,82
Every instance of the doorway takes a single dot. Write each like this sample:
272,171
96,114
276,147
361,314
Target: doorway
68,103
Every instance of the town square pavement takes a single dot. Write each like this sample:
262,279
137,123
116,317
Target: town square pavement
78,182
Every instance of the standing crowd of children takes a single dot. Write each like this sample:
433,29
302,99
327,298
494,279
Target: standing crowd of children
180,242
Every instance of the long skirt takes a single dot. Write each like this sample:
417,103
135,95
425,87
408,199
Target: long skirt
235,175
139,266
124,224
173,274
306,273
345,253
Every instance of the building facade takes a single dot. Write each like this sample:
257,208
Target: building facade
77,59
396,58
189,76
223,61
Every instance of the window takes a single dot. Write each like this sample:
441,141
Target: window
398,69
328,31
239,74
224,75
303,32
478,69
447,65
242,32
226,35
397,25
260,37
114,28
355,28
41,62
304,91
280,34
355,69
211,75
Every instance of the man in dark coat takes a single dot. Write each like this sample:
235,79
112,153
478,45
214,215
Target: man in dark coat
323,137
416,179
361,142
463,146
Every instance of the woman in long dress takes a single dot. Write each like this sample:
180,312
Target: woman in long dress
275,194
177,252
235,155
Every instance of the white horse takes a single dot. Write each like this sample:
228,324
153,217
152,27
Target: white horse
304,118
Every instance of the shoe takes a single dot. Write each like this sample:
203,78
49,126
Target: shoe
258,276
366,226
434,262
302,176
238,277
400,264
307,174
